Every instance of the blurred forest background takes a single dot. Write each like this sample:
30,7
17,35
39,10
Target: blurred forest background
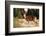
30,12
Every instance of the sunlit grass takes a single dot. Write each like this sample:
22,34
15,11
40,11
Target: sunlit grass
17,22
23,23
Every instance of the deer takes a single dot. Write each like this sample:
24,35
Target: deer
28,18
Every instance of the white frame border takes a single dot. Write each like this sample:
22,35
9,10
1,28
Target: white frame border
25,29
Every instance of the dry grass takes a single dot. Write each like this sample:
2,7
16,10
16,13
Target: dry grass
23,23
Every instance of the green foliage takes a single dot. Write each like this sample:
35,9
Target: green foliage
17,13
33,12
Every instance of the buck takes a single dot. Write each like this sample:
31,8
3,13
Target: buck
29,17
